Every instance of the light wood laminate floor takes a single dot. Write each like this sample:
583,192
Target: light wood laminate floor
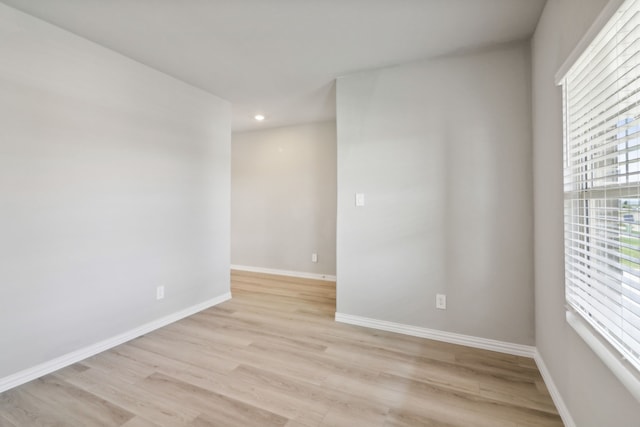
273,356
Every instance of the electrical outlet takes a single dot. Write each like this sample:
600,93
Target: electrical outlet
314,257
441,301
160,292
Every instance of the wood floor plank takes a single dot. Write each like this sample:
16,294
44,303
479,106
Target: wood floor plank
164,411
17,408
139,422
274,356
216,408
406,418
77,404
324,398
231,385
469,408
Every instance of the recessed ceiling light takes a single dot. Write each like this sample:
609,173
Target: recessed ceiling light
259,117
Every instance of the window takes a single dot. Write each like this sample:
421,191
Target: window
601,93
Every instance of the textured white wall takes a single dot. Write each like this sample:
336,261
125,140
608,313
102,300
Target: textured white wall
442,151
593,395
114,179
283,198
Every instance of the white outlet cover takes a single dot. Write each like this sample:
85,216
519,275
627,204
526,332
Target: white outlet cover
441,301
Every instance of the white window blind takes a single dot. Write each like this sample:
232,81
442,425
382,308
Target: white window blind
601,93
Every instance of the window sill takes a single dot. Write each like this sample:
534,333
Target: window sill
609,356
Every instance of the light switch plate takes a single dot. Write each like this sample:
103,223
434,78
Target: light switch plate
359,199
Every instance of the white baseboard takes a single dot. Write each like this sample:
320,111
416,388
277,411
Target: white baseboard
299,274
433,334
553,391
45,368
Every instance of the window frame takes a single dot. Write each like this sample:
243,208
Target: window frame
596,337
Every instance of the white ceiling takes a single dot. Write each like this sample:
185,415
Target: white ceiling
281,57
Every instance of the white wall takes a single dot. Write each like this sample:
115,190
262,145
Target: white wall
283,198
592,394
114,179
442,151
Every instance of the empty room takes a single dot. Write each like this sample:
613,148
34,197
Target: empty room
311,213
